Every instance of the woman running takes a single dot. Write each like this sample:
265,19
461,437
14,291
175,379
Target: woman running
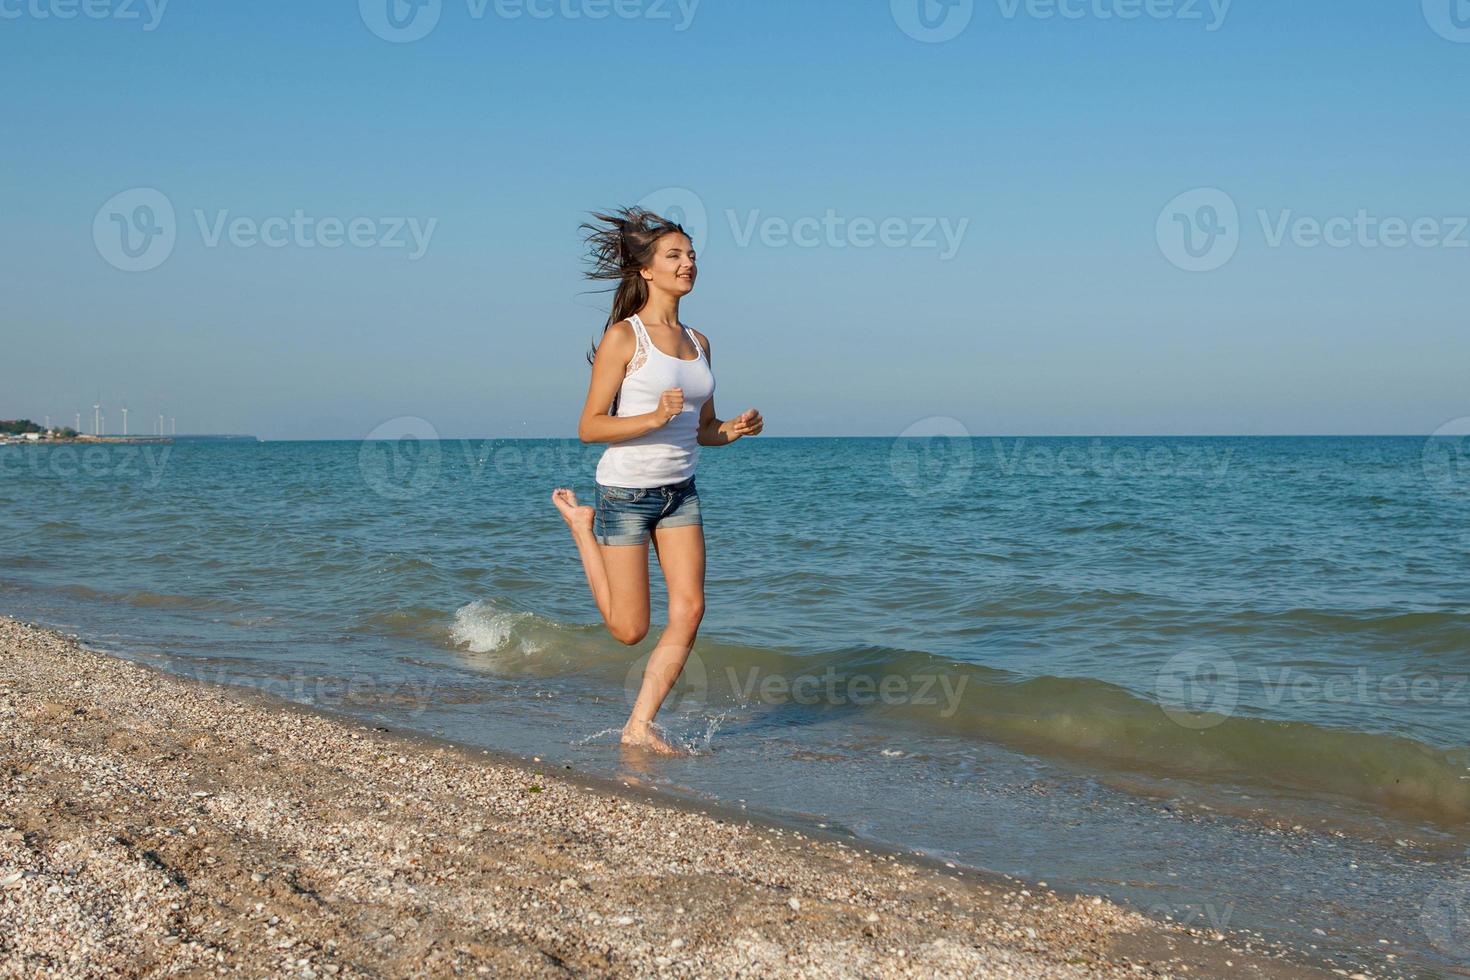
652,400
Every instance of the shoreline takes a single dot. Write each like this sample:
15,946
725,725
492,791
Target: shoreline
283,837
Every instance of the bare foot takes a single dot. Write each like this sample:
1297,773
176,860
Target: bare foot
644,737
578,517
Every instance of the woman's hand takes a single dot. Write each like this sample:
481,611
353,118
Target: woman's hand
747,423
670,405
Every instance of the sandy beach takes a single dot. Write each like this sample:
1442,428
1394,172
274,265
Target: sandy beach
152,824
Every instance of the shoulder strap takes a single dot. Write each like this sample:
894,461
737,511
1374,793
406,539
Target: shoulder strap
697,346
638,329
641,345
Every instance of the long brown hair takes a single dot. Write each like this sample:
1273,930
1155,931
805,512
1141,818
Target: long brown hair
619,247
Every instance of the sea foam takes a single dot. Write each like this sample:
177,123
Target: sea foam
481,627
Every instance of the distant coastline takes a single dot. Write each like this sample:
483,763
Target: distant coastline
36,439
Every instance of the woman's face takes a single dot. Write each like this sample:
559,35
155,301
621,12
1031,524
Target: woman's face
673,269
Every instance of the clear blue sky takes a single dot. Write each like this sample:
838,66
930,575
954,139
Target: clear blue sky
1057,141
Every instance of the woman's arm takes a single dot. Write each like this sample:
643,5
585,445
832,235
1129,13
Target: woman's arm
716,432
608,367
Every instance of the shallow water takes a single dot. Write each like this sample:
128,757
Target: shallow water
1119,665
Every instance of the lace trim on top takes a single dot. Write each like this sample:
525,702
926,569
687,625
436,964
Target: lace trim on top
640,353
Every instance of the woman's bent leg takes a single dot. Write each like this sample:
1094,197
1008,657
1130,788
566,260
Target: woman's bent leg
616,574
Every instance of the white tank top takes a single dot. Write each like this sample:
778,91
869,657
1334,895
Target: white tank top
668,454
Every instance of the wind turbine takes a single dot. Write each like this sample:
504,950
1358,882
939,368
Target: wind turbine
160,423
173,425
97,417
125,421
78,426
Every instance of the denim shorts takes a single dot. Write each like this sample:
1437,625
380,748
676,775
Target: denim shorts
627,515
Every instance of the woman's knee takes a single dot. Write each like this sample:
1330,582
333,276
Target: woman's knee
686,611
628,634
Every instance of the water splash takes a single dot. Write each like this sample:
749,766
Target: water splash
482,627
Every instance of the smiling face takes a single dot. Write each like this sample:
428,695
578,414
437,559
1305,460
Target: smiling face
673,269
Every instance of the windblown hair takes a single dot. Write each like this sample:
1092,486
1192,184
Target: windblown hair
619,247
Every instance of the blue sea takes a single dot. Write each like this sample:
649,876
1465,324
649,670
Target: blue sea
1221,679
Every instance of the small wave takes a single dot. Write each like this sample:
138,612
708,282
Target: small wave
1085,719
165,600
481,627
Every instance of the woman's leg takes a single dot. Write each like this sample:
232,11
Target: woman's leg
617,574
681,556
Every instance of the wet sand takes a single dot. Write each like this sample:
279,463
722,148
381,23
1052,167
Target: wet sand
153,824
